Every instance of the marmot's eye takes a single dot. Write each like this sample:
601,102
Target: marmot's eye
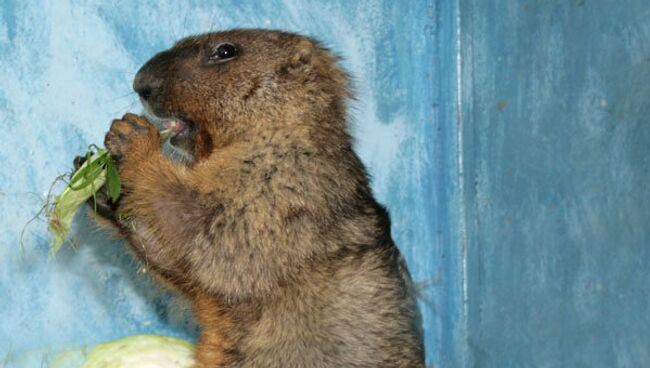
223,52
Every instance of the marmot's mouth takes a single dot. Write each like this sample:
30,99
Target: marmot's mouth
171,124
181,132
173,127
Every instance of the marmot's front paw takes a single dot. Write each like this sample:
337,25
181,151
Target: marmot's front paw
131,135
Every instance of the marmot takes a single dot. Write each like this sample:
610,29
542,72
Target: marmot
271,229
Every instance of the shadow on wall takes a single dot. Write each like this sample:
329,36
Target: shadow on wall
126,272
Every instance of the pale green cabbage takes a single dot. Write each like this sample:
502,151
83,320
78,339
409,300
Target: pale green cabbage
142,351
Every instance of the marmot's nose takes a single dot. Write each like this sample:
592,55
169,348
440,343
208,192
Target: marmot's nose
145,85
144,92
150,79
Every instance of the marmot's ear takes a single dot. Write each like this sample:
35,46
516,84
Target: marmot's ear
302,54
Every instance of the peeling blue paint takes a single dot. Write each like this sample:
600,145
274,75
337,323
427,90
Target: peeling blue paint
9,15
556,100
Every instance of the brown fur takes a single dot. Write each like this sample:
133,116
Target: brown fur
272,229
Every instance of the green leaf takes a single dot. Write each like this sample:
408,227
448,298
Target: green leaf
90,177
113,182
89,171
66,204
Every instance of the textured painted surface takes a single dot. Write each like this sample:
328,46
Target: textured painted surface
516,175
66,72
555,97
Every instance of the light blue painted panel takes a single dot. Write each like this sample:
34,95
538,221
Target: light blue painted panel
555,97
67,68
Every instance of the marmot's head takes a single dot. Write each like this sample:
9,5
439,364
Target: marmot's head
224,86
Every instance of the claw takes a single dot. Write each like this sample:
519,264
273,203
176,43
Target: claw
78,162
103,205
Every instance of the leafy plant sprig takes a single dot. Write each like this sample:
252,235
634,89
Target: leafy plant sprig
97,171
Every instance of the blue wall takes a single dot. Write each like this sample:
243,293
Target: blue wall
555,102
509,139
